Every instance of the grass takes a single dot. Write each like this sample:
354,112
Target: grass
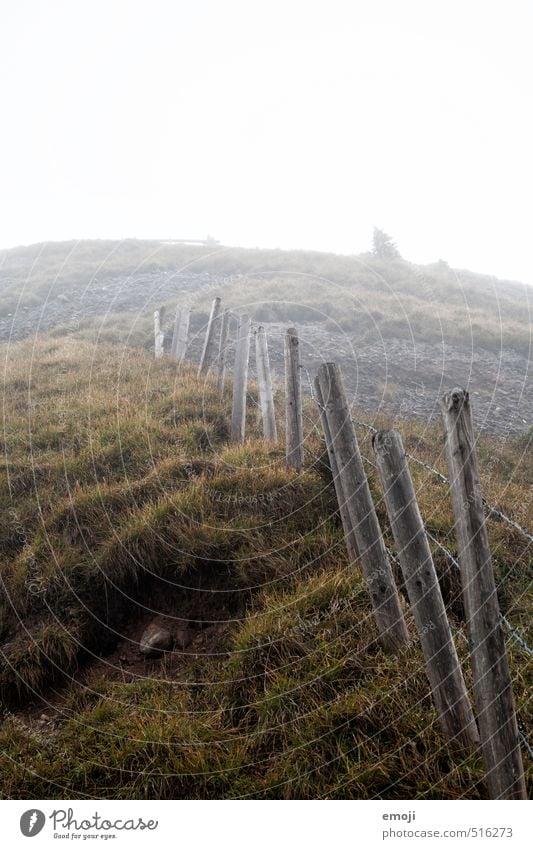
120,489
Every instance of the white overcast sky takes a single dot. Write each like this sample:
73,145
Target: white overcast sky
278,124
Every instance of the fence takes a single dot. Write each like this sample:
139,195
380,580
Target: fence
497,729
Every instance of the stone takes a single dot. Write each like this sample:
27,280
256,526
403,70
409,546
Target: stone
155,640
184,637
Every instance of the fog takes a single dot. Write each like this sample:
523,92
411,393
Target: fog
280,124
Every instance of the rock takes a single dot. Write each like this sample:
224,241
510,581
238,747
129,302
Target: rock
184,637
155,640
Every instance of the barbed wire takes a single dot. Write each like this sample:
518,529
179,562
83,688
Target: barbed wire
310,382
458,632
453,560
510,628
489,507
523,739
493,510
516,636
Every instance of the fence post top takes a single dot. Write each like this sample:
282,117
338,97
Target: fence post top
455,400
329,368
382,441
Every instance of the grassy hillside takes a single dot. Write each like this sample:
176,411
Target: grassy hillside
122,498
363,295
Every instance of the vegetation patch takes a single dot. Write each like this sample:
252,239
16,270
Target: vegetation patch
121,499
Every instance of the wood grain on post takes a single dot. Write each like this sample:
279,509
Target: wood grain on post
360,508
442,664
183,334
159,337
175,333
222,350
349,536
240,380
293,402
265,386
208,353
492,680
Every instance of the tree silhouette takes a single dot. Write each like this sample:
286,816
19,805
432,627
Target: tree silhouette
383,245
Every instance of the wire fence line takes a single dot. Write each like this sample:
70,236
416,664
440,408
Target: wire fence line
511,630
295,399
493,511
459,632
489,507
499,514
454,562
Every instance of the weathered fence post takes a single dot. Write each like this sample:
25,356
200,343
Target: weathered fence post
158,335
360,510
222,351
240,380
293,402
183,334
351,542
492,680
442,664
208,353
265,386
175,333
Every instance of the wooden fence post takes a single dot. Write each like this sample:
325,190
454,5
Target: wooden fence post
222,351
208,353
240,380
442,664
175,333
265,386
293,402
183,334
349,536
158,336
360,509
498,726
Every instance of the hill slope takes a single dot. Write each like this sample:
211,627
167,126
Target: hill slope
403,333
124,503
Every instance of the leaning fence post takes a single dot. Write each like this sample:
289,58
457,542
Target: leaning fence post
158,335
175,333
265,386
183,334
492,681
222,351
293,402
442,664
208,353
240,380
349,536
360,509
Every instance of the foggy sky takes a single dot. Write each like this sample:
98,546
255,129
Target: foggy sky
276,124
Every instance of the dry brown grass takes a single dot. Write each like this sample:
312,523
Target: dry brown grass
118,483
